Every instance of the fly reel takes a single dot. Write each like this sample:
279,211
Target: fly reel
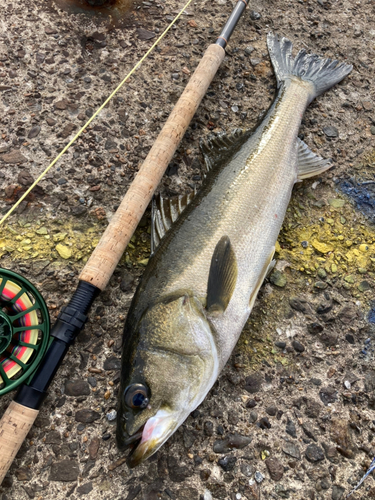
24,330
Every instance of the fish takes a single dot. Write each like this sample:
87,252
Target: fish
210,256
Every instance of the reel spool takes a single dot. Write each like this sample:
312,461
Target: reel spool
24,330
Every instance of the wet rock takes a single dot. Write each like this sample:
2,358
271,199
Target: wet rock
84,489
253,383
112,363
271,410
77,388
25,178
275,468
291,428
13,157
297,346
178,472
233,441
227,463
65,470
328,395
292,450
86,416
34,132
314,453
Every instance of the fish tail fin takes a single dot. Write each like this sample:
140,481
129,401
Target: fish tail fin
322,73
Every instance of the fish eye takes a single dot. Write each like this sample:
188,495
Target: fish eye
136,396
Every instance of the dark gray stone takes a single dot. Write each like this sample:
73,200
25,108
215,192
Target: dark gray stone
331,131
227,463
87,416
292,450
34,132
291,428
253,383
233,441
275,468
65,470
112,363
271,410
77,388
84,489
328,395
297,346
314,454
309,431
337,492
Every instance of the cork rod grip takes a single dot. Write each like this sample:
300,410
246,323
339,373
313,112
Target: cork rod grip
108,252
14,427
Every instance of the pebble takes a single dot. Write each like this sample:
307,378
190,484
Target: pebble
86,416
255,16
297,346
292,450
338,491
249,49
253,417
253,383
280,345
309,431
94,448
34,132
236,441
330,131
314,328
65,470
227,463
328,395
291,428
112,363
264,423
258,476
278,279
111,416
275,468
64,251
336,202
314,454
13,157
271,410
247,470
77,388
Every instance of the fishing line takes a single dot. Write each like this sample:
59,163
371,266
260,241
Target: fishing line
95,114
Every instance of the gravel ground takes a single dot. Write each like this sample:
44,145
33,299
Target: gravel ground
292,414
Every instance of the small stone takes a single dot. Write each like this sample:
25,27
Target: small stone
314,454
292,450
372,130
309,431
112,363
144,34
304,244
328,395
320,285
291,428
337,491
64,251
258,476
65,470
249,49
313,408
277,278
280,345
330,131
322,247
25,178
314,328
264,423
233,441
297,346
77,388
208,428
275,468
255,16
349,338
253,383
364,286
247,470
87,416
253,417
111,416
94,448
227,463
13,157
67,130
50,121
336,202
321,273
84,489
271,410
205,474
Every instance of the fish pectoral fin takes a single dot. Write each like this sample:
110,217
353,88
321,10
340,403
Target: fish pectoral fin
267,268
222,277
309,163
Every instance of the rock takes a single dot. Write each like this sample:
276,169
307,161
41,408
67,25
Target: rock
291,428
280,345
208,428
23,474
25,178
322,247
50,121
112,363
247,470
314,328
84,489
86,416
77,388
330,131
297,346
292,450
144,34
277,278
271,410
314,454
53,437
313,408
67,130
127,281
186,493
309,430
34,132
264,423
233,441
94,448
79,210
337,492
253,417
13,157
370,381
217,490
328,395
65,470
178,472
227,463
348,314
253,383
300,304
205,474
61,105
64,251
341,435
275,468
336,202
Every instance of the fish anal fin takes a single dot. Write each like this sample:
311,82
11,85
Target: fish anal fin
222,277
267,268
309,163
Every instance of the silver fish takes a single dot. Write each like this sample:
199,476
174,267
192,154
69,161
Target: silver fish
201,283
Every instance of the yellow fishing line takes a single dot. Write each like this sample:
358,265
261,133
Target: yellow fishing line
95,114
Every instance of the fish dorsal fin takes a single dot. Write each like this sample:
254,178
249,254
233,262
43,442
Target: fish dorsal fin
222,277
218,146
164,212
309,163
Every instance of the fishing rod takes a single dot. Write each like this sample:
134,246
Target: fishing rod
20,317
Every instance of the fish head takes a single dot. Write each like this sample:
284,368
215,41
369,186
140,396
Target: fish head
168,366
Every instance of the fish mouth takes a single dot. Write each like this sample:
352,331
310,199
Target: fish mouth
149,438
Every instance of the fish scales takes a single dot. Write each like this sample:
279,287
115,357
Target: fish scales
180,332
